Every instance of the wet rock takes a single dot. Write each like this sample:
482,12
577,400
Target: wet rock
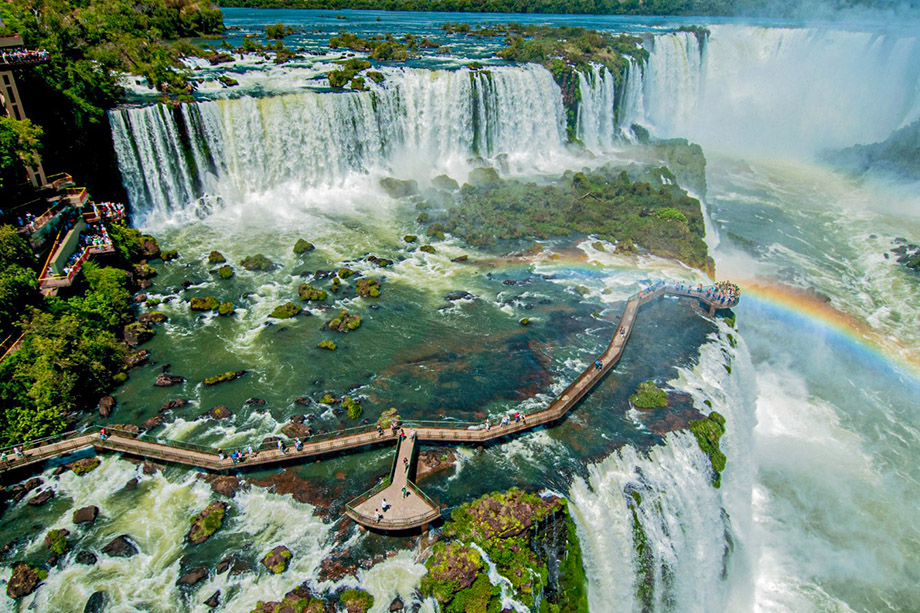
120,547
83,466
106,406
235,564
459,295
257,262
433,461
213,601
166,380
144,283
220,412
255,402
41,498
131,485
153,422
85,515
277,559
152,317
24,580
87,558
303,400
335,567
397,188
297,429
151,468
396,605
324,496
140,298
170,405
137,358
225,485
303,246
96,603
193,576
137,334
207,523
459,259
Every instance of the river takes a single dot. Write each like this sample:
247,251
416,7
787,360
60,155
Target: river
820,501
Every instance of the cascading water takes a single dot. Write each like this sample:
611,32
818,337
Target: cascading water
779,89
655,532
596,112
231,148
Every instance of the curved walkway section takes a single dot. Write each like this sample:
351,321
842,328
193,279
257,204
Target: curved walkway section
409,511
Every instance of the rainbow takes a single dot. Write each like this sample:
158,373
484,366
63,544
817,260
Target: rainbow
818,311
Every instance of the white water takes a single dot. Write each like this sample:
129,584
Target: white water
780,90
237,148
596,114
680,513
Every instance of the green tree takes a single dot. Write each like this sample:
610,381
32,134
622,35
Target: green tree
20,141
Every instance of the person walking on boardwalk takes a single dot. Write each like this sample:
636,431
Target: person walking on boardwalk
281,446
406,464
404,492
384,505
597,364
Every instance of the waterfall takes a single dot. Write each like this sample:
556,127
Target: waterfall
597,112
691,535
787,90
200,153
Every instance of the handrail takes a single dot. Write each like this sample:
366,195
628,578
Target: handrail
443,431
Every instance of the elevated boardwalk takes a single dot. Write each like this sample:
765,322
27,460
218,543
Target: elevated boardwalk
410,511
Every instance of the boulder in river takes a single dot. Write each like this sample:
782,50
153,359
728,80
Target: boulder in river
169,405
24,580
193,576
41,498
106,406
96,603
207,523
220,412
277,559
120,547
85,515
87,558
167,380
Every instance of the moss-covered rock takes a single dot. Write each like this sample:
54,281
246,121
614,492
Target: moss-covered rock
225,272
484,177
352,409
169,255
708,431
83,466
410,238
24,580
230,375
204,303
375,76
649,396
206,523
452,568
137,334
345,273
525,321
257,262
327,344
357,84
56,541
298,600
398,188
427,249
388,418
444,182
277,559
286,311
303,246
368,288
216,257
308,292
344,322
356,601
338,78
226,309
328,399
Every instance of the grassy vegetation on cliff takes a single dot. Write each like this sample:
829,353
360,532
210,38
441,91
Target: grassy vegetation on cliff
605,202
504,525
91,43
708,431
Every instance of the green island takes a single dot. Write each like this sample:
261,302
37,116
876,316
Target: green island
633,208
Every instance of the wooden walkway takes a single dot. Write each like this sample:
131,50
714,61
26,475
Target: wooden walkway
406,512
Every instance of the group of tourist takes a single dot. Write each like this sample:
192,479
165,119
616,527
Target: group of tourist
95,236
517,417
110,210
725,292
24,56
16,451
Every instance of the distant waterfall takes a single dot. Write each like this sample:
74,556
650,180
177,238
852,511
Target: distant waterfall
597,110
171,157
777,89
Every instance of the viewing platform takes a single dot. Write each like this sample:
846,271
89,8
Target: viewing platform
415,509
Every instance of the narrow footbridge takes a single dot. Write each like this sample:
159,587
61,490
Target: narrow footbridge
411,509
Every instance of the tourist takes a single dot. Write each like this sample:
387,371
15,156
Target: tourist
298,445
250,450
597,364
103,434
233,457
406,464
523,418
281,446
412,433
220,455
404,493
402,434
3,459
488,425
385,505
517,417
378,514
379,430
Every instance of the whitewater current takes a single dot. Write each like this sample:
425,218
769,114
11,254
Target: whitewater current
817,507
